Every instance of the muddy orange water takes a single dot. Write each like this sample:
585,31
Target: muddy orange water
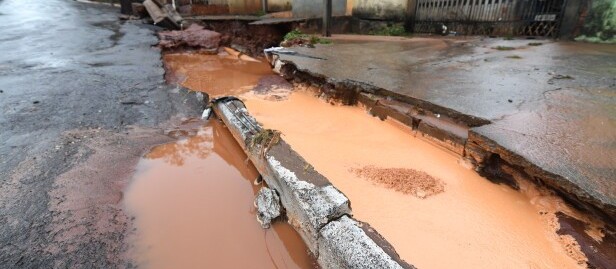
217,75
193,206
472,224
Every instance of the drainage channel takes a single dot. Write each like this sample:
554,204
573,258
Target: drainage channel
193,200
435,210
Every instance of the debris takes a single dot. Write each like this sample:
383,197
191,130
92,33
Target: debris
36,102
535,44
240,55
207,113
517,57
268,206
163,15
131,102
195,36
407,181
559,76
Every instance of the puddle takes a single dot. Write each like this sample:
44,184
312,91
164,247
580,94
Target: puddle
217,75
470,223
193,206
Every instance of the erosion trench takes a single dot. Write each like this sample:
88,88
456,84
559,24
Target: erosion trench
416,202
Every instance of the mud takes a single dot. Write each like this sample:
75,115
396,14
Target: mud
249,39
407,181
489,219
218,75
192,201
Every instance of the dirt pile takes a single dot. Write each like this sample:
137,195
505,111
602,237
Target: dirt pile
195,36
407,181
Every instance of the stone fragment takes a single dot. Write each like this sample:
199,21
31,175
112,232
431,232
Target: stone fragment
268,206
195,36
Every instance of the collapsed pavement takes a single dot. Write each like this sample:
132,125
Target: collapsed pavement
314,207
507,118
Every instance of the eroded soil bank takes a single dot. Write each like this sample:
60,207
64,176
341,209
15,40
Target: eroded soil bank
192,201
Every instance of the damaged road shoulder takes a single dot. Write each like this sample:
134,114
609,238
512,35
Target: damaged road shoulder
315,208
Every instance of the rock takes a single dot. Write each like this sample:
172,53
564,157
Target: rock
195,36
268,206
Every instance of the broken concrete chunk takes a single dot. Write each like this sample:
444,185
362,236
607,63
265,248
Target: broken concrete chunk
172,13
268,206
344,244
155,12
195,36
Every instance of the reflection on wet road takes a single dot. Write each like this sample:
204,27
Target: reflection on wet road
193,207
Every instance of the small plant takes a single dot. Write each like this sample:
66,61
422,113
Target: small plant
260,13
509,37
514,57
264,140
394,30
504,48
295,34
535,44
296,37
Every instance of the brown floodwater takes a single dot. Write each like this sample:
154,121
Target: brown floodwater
192,201
222,74
472,223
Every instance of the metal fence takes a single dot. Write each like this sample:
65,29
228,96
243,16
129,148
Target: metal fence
490,17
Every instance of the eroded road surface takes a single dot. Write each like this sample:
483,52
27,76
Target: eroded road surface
82,98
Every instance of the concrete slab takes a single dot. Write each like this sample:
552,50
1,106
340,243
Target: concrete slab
552,104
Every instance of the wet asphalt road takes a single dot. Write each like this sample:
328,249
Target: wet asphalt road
82,98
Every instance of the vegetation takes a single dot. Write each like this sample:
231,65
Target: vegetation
264,140
503,48
600,24
394,30
535,44
514,57
296,37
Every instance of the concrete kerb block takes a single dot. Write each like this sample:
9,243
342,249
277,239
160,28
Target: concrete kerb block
309,207
319,212
309,199
347,243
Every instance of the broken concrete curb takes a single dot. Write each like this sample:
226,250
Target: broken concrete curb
268,207
318,211
345,243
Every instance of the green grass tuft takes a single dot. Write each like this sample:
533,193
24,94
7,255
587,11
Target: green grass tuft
394,30
505,48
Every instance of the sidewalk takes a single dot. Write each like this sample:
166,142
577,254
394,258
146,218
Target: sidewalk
547,109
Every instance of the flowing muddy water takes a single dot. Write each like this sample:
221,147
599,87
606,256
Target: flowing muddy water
193,199
449,216
471,223
193,207
222,74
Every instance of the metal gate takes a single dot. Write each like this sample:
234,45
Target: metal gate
490,17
